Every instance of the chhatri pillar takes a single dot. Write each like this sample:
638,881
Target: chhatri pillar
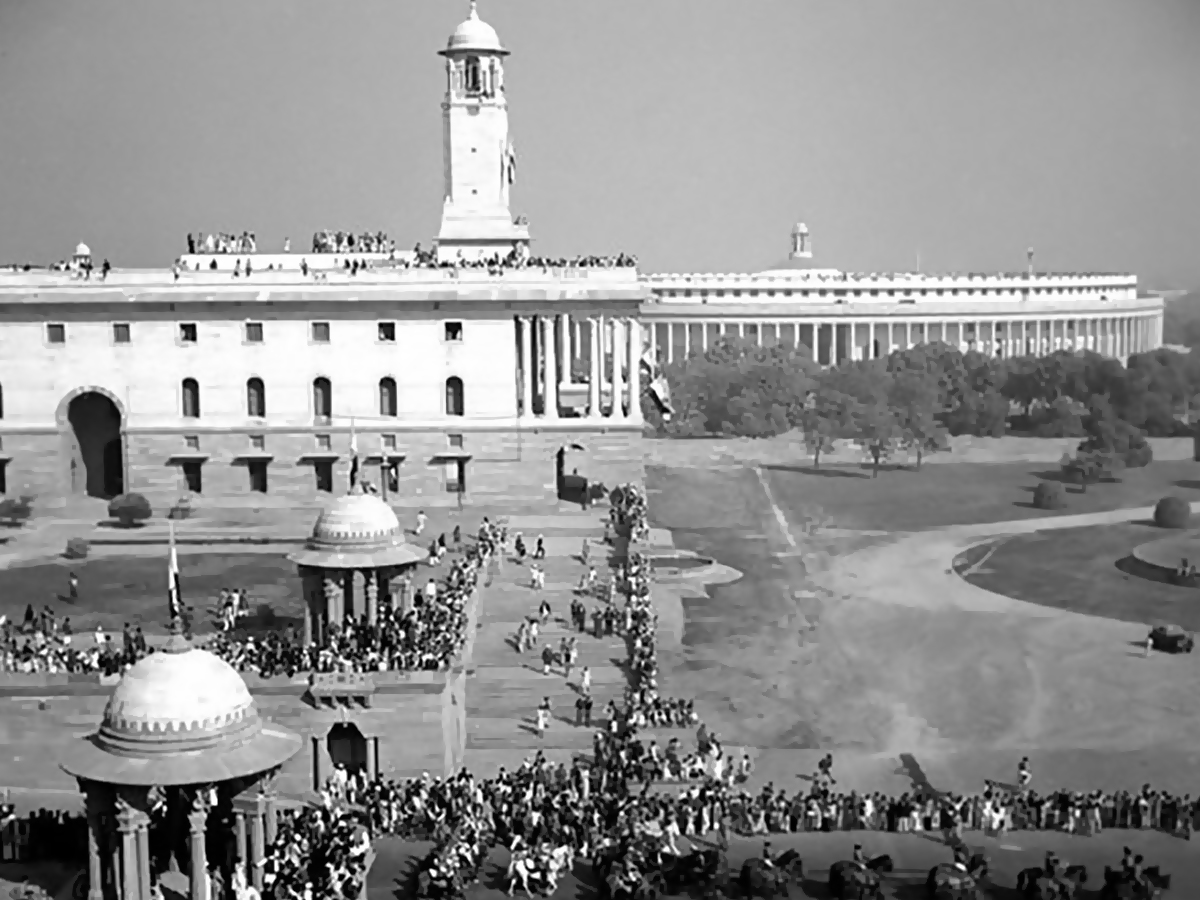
356,537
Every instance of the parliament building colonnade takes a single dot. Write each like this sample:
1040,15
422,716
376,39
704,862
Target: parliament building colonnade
833,341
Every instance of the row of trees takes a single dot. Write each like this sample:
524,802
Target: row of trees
914,399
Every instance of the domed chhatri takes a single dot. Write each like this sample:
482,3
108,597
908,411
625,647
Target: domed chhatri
475,35
82,249
179,716
357,531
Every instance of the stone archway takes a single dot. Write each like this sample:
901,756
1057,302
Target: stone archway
95,446
348,747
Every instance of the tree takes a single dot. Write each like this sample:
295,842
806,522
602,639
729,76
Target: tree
827,417
915,398
129,509
877,431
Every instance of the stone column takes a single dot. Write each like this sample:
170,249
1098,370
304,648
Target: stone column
594,376
371,595
350,597
258,848
526,329
143,842
130,874
618,367
576,340
550,371
1037,337
198,823
871,339
372,759
564,346
239,827
95,803
332,588
635,370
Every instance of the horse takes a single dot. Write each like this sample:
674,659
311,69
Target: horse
544,869
849,880
1119,885
949,881
1035,884
759,879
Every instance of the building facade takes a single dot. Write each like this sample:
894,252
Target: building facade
842,316
258,376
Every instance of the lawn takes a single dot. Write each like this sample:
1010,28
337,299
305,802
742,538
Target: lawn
903,499
133,589
1076,569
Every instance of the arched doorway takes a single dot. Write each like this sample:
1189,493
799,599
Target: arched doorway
96,460
348,747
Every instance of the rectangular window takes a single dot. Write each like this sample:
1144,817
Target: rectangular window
454,331
258,475
254,332
3,476
187,332
192,442
324,442
323,470
56,334
456,441
121,333
389,442
258,442
387,332
192,476
320,332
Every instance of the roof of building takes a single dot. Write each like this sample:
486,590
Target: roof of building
474,34
357,531
179,716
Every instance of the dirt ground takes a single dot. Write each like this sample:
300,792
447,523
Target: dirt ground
869,644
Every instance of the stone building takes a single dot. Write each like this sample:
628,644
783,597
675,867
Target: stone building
248,376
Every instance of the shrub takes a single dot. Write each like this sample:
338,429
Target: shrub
1172,512
129,509
16,510
1049,495
1140,456
77,548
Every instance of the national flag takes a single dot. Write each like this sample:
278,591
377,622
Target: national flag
353,456
657,384
173,595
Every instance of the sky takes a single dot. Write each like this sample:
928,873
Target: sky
693,133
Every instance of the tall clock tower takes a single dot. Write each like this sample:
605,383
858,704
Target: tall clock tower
480,161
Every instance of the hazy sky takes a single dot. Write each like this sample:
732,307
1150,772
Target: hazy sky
691,132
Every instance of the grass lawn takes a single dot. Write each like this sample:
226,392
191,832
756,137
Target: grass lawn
1076,569
133,589
904,499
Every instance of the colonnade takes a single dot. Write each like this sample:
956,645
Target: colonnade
835,340
119,858
331,596
571,367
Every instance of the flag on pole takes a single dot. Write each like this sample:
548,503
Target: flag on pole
173,597
353,456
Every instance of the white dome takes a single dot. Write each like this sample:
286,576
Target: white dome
475,34
177,693
82,249
355,519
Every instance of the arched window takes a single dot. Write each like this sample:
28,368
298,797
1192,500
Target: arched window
191,398
322,398
256,399
387,396
454,396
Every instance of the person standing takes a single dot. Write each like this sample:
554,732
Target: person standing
73,586
543,716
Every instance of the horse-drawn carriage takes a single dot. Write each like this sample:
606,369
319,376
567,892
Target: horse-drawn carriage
1037,883
1168,638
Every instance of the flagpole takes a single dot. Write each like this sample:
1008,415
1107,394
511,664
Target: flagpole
384,468
353,456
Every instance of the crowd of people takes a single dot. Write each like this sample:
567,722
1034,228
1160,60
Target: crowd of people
222,243
348,242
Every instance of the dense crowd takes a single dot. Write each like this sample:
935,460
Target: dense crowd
222,243
348,242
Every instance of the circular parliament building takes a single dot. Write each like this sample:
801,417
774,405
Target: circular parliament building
239,370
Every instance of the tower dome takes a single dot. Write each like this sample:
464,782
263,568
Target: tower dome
357,531
475,35
179,716
82,249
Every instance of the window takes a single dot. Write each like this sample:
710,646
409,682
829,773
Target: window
471,77
256,398
322,399
453,331
191,398
3,476
258,475
323,472
192,442
454,396
121,333
387,396
387,332
254,332
56,334
1,401
320,332
258,442
456,441
389,442
187,332
192,477
324,442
